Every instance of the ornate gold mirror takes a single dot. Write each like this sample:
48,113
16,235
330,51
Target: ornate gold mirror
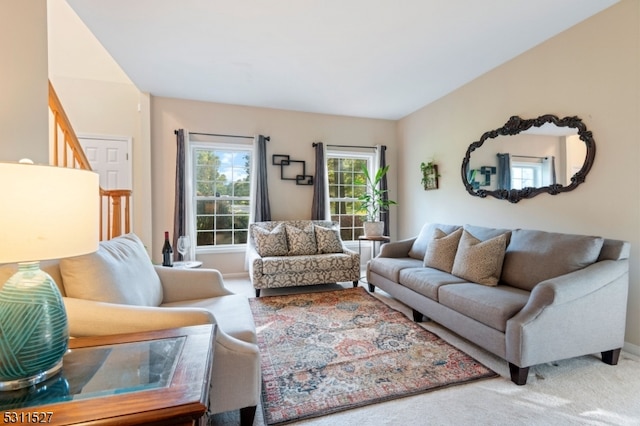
527,157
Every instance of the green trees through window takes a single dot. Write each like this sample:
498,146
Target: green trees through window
222,187
346,184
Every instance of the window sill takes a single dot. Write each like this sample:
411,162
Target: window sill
221,250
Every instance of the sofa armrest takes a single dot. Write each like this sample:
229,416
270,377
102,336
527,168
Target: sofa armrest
254,261
572,286
397,248
190,284
90,318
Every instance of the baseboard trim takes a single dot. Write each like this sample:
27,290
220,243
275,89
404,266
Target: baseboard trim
631,348
236,275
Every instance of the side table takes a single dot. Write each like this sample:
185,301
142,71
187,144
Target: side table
157,378
379,239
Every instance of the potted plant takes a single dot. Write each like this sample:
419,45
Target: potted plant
373,202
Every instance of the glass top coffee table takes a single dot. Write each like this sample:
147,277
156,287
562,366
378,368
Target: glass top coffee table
153,377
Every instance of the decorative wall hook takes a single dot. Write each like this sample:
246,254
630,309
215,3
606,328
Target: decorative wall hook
285,160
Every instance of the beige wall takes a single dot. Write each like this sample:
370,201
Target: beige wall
24,114
292,133
592,71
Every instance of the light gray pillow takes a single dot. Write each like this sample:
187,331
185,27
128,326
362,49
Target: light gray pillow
119,272
480,261
271,242
535,256
442,249
328,240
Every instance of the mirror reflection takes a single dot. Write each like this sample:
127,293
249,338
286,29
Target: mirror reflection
528,157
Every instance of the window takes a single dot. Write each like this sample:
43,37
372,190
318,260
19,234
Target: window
525,175
221,185
346,184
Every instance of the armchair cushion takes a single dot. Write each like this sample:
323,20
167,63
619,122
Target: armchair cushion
119,272
301,241
271,242
328,240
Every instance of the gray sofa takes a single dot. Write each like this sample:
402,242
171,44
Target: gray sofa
299,252
528,296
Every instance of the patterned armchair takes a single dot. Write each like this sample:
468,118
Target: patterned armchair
299,252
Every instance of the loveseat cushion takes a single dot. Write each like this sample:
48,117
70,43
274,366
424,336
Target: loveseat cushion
119,272
427,281
390,267
419,247
301,241
491,306
316,262
480,261
271,242
535,256
328,240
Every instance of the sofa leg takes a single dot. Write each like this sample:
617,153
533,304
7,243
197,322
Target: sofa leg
257,292
611,357
247,414
372,288
355,283
518,374
417,316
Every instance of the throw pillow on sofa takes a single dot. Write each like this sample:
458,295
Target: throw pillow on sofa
271,243
328,240
441,251
119,272
419,247
301,241
480,261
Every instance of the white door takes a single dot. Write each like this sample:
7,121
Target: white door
110,157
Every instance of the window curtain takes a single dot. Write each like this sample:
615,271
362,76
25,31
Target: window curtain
182,213
382,162
320,207
504,171
179,211
549,171
259,190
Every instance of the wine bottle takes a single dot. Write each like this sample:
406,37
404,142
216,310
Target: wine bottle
167,251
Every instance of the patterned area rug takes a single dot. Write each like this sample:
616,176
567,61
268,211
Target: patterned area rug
331,351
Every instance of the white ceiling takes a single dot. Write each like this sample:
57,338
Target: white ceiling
363,58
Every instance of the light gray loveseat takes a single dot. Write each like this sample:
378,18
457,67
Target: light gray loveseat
299,252
528,296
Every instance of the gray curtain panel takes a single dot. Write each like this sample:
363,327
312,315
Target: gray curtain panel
504,171
318,206
179,218
384,212
262,208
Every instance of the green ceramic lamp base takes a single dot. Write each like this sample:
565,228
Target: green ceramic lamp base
30,381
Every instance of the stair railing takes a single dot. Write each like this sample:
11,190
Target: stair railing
66,151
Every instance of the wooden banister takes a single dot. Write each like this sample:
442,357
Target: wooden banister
115,204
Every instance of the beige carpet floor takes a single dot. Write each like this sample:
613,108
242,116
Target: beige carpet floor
579,391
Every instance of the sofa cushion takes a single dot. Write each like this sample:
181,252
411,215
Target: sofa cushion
316,262
483,233
119,272
427,281
328,240
480,261
442,249
419,247
535,256
390,267
301,241
491,306
271,242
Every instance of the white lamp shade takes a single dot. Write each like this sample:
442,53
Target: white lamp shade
47,212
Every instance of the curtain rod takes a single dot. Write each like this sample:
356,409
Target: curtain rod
267,138
351,146
529,156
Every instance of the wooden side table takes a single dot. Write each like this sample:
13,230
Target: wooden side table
379,239
155,378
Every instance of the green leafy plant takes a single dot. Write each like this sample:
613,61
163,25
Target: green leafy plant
430,175
373,200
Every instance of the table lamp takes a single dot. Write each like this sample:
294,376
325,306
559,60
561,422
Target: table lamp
45,213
